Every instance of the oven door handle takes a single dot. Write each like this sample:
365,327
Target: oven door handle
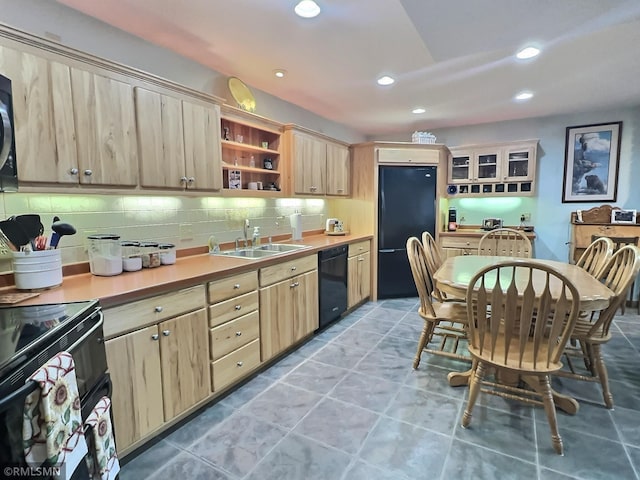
23,391
88,334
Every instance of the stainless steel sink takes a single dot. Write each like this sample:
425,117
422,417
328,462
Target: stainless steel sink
280,247
262,251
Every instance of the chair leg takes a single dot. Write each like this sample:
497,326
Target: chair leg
474,390
427,331
604,376
543,387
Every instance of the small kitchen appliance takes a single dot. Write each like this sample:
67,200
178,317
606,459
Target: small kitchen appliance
331,225
491,223
453,220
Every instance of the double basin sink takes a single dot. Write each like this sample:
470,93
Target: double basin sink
262,251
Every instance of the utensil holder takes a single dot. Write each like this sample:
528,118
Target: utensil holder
35,270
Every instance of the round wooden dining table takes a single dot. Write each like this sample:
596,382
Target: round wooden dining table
455,273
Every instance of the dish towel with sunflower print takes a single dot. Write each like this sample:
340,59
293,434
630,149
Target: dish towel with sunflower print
102,460
52,425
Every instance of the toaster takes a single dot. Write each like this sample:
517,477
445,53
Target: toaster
491,223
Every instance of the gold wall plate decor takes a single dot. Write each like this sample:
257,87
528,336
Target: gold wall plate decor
242,94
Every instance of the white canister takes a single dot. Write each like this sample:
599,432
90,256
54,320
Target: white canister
105,255
167,253
37,269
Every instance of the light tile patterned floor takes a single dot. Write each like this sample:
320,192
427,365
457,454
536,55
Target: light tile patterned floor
347,405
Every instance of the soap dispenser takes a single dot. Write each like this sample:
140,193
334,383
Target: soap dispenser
255,240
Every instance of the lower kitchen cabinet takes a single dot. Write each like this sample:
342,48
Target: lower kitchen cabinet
359,273
288,312
134,366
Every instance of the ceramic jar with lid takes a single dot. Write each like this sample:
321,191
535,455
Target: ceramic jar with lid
167,253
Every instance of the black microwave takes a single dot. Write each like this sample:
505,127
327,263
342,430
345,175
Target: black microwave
8,167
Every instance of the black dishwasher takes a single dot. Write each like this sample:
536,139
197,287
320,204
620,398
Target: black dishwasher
332,268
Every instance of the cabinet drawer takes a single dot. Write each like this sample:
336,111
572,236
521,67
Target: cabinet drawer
232,335
277,273
358,248
460,242
236,365
131,316
583,233
232,286
408,155
233,308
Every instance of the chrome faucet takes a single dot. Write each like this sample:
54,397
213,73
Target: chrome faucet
238,243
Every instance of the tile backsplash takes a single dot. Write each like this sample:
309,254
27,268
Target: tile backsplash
181,220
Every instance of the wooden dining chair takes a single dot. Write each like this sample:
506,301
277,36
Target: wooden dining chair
435,257
597,254
591,333
518,327
619,242
505,242
445,319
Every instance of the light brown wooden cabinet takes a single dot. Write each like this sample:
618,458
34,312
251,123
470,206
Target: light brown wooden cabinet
359,273
288,304
320,166
177,142
105,129
43,116
134,366
160,370
234,335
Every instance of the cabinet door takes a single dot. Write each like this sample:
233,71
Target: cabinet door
359,281
310,164
519,163
486,165
338,169
160,139
305,305
276,318
460,170
203,156
134,366
43,116
105,126
184,355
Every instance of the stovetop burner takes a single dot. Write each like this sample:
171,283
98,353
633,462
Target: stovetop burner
24,327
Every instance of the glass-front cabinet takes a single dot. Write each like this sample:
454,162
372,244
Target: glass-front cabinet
493,169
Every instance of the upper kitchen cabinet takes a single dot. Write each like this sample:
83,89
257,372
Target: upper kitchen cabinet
321,166
105,129
495,169
177,142
250,153
43,114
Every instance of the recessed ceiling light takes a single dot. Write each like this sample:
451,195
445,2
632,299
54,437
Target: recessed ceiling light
385,80
418,110
528,52
307,9
524,96
279,73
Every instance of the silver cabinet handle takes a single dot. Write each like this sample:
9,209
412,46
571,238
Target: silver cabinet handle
236,286
88,173
154,336
361,259
238,334
294,269
238,307
166,333
191,180
240,364
294,284
183,179
158,309
73,171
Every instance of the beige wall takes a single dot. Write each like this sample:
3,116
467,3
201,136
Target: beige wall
158,218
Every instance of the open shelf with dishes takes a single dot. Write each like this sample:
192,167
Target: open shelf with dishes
250,153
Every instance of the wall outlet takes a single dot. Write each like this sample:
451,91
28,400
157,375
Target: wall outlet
525,217
186,231
85,234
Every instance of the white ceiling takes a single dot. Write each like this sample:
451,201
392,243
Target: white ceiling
453,57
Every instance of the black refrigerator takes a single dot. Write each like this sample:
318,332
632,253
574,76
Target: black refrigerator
406,208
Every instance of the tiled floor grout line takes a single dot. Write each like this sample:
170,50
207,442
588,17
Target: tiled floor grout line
624,444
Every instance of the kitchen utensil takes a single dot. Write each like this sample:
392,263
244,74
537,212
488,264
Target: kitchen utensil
31,224
60,229
15,233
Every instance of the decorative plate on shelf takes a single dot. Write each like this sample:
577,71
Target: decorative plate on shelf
242,94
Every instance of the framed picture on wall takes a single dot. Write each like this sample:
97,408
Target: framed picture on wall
592,155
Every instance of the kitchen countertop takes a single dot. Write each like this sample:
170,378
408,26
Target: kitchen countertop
187,271
478,232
